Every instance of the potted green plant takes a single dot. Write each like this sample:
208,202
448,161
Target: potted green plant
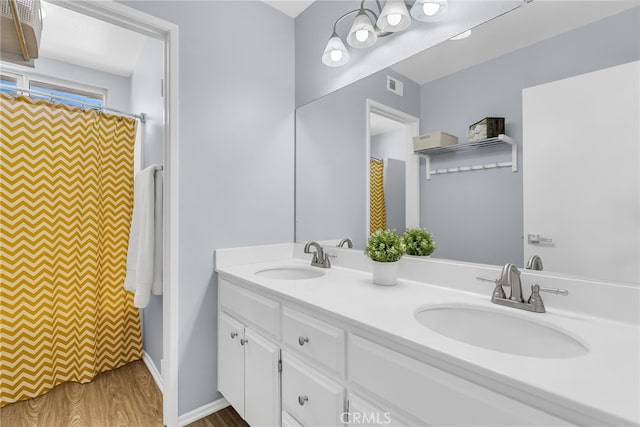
418,241
385,248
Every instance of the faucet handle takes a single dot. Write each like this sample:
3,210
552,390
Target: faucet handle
498,292
556,291
536,300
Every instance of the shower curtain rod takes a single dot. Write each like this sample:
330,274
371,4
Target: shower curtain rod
141,116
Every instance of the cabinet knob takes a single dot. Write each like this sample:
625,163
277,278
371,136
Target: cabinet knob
243,341
302,340
302,399
233,335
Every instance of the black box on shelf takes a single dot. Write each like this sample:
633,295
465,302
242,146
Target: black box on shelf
489,127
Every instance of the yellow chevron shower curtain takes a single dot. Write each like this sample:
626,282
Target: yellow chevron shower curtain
66,196
377,207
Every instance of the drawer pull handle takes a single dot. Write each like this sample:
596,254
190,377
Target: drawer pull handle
243,341
302,399
233,335
302,340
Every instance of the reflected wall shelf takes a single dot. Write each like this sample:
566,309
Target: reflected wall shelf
491,142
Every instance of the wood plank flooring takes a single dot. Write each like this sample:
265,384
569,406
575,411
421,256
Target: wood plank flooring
226,417
124,397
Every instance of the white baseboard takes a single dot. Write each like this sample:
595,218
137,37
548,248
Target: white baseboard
202,411
152,369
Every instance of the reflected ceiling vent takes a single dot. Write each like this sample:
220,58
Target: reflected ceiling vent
20,30
395,85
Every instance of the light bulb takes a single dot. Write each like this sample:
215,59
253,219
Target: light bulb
461,35
430,9
394,19
336,55
362,35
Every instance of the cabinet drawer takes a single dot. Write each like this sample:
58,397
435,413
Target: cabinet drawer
310,397
260,312
289,421
322,342
433,396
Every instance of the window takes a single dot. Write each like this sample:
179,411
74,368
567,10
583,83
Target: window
66,95
9,84
70,93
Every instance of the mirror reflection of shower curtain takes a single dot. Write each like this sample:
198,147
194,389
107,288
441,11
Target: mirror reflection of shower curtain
378,212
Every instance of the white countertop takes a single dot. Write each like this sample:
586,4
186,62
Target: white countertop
603,384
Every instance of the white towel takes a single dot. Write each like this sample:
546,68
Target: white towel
144,256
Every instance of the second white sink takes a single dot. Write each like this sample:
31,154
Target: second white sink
499,331
290,273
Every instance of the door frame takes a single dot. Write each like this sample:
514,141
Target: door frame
152,26
412,175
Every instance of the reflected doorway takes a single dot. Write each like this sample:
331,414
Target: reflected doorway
392,169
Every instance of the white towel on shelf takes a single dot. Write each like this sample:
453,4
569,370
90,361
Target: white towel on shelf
144,255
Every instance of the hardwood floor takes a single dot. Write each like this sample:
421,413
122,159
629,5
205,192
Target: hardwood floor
226,417
124,397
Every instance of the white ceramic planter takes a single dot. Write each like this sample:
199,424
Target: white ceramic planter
385,273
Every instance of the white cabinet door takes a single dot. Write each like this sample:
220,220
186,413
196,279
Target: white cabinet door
581,173
231,362
364,413
262,381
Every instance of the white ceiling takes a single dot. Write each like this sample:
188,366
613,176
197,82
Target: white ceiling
529,24
81,40
291,8
379,124
78,39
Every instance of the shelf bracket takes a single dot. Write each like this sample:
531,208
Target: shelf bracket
478,144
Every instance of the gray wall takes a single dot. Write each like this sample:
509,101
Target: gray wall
477,216
146,98
389,144
395,194
118,87
331,157
236,145
314,26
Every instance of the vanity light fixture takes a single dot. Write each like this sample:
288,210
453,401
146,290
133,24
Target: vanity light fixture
336,53
394,17
362,33
429,10
368,26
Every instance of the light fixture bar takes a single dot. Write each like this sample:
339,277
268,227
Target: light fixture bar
364,32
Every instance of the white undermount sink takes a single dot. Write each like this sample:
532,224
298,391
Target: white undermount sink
290,273
498,331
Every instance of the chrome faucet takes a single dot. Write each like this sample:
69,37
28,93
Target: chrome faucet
346,241
320,258
534,263
510,276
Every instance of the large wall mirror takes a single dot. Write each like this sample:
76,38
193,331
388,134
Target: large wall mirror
478,203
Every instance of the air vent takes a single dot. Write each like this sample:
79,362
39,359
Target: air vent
395,85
